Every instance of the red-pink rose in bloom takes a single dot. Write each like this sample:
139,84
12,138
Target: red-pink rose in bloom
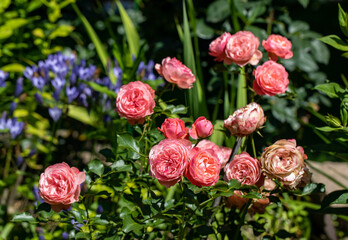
135,101
285,161
242,48
223,153
271,78
168,160
244,168
245,120
175,72
201,128
204,168
174,128
59,185
277,46
218,46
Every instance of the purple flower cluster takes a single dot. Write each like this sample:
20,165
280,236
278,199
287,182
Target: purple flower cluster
15,127
3,77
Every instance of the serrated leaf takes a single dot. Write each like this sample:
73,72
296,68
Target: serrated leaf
23,217
336,197
128,142
96,166
330,89
335,41
120,166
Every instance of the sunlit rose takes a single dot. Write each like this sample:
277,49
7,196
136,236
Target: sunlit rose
277,46
202,128
218,46
222,152
174,128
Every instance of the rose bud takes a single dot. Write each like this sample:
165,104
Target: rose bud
277,46
223,153
135,101
168,160
203,168
174,128
245,120
218,46
242,48
175,72
244,168
202,128
271,78
285,162
59,185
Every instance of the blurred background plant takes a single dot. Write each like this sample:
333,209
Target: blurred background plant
63,62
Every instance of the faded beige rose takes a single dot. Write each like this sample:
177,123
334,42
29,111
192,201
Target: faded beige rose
284,161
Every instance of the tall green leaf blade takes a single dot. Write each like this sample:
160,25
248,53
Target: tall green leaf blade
242,90
343,20
131,33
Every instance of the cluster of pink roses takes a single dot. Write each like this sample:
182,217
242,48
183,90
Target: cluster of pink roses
241,48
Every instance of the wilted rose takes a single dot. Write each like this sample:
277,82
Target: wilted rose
242,48
244,168
284,161
271,78
174,128
218,46
245,120
277,46
203,168
236,200
59,185
223,153
168,160
175,72
202,128
135,101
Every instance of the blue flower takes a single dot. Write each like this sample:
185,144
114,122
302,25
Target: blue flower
19,87
13,107
38,82
3,77
37,195
55,113
16,128
19,160
58,83
65,235
100,209
38,98
71,93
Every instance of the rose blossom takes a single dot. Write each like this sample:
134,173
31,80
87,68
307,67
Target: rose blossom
175,72
218,46
174,128
168,160
242,48
202,128
277,46
223,153
244,168
271,78
135,101
59,185
285,162
203,168
245,120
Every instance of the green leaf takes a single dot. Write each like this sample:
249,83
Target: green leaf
82,235
328,129
61,31
320,52
81,114
203,30
218,11
120,166
5,32
312,187
23,217
242,90
4,4
330,89
221,186
336,197
131,33
343,20
335,41
304,3
130,225
101,89
13,67
96,166
128,142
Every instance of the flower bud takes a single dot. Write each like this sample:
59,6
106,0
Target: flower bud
333,121
245,120
202,128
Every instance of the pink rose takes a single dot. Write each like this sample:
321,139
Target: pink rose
271,78
242,48
168,160
203,168
277,46
285,162
175,72
59,185
218,46
202,128
245,120
223,153
244,168
174,128
135,101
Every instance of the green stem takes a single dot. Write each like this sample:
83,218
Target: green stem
234,16
242,89
242,219
253,145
